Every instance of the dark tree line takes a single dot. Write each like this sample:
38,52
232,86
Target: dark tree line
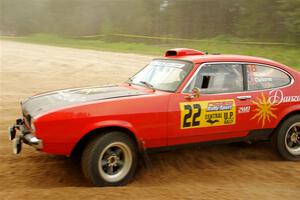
271,20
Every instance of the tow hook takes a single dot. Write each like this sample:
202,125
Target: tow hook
17,145
11,133
13,130
17,141
25,136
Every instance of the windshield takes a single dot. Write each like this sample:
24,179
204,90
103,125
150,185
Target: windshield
166,75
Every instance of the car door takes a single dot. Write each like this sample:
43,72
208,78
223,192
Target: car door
221,111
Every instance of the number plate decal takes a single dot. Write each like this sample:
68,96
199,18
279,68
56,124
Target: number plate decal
207,113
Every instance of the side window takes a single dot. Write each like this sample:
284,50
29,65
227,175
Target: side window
264,77
218,78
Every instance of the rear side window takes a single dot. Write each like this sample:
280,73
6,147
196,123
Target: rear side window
264,77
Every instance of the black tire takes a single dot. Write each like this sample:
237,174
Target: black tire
279,139
109,148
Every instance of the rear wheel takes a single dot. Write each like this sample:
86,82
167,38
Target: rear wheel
110,159
287,138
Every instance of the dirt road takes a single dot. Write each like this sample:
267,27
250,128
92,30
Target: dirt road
215,172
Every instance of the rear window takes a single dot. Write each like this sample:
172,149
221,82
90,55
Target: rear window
265,77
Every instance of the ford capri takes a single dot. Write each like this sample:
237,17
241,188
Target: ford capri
184,98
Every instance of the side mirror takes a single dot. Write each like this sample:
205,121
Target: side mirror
195,94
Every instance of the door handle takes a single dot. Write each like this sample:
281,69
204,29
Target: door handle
244,97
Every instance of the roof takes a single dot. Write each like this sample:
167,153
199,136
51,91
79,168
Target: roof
198,57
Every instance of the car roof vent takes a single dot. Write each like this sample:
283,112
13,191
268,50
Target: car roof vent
183,52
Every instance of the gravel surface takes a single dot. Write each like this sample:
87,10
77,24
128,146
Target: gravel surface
214,172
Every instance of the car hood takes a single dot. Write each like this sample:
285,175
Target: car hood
44,102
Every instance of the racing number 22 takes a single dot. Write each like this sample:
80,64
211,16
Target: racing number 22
191,115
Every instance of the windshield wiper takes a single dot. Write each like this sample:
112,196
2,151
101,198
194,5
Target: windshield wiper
149,85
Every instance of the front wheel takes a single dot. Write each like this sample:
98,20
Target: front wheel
110,159
287,138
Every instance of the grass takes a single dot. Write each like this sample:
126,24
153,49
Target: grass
288,55
94,44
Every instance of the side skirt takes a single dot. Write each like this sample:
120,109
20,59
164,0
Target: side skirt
253,136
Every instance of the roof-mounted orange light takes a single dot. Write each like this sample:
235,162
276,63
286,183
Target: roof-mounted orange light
183,52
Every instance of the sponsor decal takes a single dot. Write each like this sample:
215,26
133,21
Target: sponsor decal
219,106
158,63
244,109
251,68
207,113
264,111
262,79
265,107
277,97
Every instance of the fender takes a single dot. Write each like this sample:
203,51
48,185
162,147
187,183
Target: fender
287,111
106,124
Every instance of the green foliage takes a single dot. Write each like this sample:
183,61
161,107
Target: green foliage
85,43
268,20
284,54
290,12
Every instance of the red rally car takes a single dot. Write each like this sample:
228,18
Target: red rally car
186,97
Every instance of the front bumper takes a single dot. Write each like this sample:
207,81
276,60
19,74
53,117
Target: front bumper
25,136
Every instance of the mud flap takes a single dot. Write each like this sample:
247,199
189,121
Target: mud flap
146,160
145,157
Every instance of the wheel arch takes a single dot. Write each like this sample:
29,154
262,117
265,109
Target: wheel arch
79,146
288,115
